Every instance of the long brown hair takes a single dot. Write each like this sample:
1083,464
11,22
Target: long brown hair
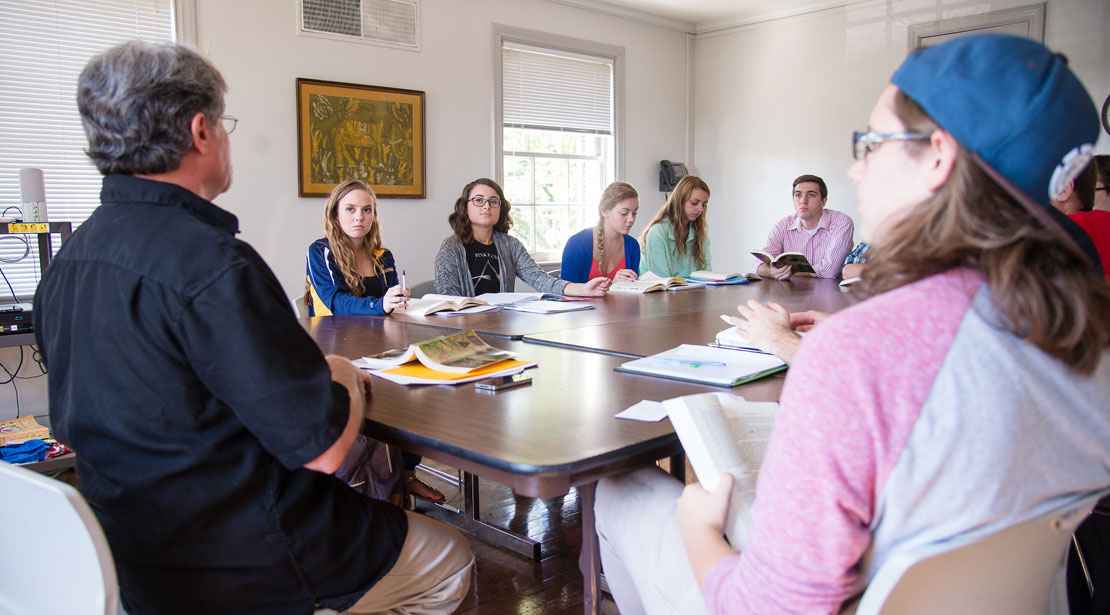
1045,293
345,256
674,211
614,193
460,220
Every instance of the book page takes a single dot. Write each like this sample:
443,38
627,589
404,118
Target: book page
636,286
507,298
713,276
725,433
390,358
763,256
459,353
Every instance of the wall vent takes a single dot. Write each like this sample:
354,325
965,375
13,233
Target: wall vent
393,23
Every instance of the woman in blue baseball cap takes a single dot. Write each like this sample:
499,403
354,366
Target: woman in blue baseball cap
965,395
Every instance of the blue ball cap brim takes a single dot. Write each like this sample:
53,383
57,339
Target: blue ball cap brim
1009,100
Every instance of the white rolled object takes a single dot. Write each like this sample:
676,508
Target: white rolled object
32,189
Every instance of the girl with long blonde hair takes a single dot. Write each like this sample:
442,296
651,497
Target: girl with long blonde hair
348,271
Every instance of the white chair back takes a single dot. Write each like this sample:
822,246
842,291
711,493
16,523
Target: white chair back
1013,571
56,558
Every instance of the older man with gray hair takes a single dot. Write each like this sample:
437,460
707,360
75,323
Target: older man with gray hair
206,422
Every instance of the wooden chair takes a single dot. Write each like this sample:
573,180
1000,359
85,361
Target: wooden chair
1017,571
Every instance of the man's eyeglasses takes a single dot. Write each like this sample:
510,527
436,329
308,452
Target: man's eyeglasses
479,201
229,122
863,143
1102,188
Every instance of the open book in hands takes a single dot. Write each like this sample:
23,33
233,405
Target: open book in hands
649,283
724,433
458,353
796,260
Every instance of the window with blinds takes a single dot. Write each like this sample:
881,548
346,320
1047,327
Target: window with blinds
557,140
44,44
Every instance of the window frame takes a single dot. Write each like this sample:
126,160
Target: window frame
563,44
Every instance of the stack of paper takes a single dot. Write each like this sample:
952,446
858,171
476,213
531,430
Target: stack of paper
416,373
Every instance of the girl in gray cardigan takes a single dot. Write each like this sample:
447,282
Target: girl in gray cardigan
482,257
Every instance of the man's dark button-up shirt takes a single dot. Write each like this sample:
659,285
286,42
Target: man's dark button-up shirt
180,376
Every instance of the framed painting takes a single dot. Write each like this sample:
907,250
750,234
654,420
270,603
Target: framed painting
346,130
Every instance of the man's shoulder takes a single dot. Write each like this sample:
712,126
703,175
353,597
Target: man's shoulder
163,244
838,218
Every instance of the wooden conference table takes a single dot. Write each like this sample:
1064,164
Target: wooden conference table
558,432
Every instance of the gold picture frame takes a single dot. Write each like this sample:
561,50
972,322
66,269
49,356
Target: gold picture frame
347,130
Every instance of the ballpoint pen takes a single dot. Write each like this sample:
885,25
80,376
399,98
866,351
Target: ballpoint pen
689,362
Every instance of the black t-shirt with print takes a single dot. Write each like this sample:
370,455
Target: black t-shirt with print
485,267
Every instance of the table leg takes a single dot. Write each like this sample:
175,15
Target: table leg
589,560
678,466
470,520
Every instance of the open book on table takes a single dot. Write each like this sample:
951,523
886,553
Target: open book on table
724,433
432,304
720,278
707,365
731,338
796,260
458,353
650,282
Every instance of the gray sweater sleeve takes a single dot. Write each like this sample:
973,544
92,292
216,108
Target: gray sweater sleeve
452,273
516,262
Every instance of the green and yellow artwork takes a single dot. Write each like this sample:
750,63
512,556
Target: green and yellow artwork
351,131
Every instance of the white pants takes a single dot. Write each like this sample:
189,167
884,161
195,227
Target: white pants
431,576
642,553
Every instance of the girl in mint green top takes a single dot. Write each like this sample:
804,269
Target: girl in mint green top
683,215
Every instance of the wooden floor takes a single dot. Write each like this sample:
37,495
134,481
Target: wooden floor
509,584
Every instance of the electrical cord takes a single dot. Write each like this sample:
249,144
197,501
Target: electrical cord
26,248
11,207
14,297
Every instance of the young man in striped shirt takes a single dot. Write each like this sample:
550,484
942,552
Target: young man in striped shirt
824,236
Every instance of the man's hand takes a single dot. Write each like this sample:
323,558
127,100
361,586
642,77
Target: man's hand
781,273
804,321
357,384
768,328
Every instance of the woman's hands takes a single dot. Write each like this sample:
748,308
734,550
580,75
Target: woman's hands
701,519
596,287
625,275
395,297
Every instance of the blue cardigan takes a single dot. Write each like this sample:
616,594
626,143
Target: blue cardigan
578,256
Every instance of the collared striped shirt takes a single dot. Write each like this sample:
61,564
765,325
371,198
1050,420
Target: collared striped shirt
825,249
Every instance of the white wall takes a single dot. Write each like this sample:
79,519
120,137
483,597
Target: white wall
778,99
454,69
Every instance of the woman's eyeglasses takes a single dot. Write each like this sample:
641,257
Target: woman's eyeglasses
479,201
863,143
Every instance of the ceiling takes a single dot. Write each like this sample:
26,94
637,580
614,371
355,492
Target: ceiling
702,15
